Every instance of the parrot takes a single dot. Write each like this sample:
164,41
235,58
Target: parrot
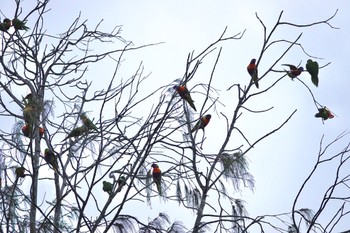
324,113
185,94
77,132
27,128
121,182
51,159
107,187
202,123
29,100
312,67
29,114
19,25
293,70
20,172
5,25
253,71
157,177
87,122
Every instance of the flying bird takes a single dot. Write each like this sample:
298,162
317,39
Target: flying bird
157,177
202,123
313,68
253,71
293,70
185,94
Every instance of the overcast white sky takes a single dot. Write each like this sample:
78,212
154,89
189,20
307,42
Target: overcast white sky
280,163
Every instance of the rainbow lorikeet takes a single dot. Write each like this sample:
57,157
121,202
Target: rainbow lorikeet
313,68
19,25
157,177
107,187
185,94
293,70
26,130
29,114
87,122
324,113
201,123
5,25
77,132
51,159
121,182
253,71
20,172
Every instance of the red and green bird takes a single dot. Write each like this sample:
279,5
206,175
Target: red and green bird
185,94
77,132
202,123
253,71
87,122
19,24
51,159
157,177
293,70
324,113
5,25
26,130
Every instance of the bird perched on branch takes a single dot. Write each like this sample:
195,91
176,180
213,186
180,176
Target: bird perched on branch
27,131
19,25
185,95
107,187
77,132
51,159
202,123
87,122
293,70
313,68
157,177
121,182
20,172
324,113
253,71
5,25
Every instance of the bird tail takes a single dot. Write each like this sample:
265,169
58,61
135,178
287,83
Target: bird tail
159,188
190,102
255,79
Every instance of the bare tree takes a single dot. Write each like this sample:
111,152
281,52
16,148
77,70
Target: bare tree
67,147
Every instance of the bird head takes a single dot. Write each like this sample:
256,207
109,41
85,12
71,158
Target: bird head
208,116
175,87
154,165
47,150
253,61
301,68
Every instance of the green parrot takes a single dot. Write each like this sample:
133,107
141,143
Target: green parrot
29,114
121,182
107,187
19,25
77,132
20,172
313,68
87,122
51,159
